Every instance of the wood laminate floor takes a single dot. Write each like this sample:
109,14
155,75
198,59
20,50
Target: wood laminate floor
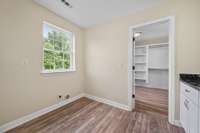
87,116
151,101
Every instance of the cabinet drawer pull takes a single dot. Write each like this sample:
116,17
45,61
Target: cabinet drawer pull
186,90
186,102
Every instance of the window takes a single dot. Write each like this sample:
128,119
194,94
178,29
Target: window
58,49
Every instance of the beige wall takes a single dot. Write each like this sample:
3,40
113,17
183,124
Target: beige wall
23,89
106,54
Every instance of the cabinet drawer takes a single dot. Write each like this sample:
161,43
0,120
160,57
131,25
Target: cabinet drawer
189,92
184,117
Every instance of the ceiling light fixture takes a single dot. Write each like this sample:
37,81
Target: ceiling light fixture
66,3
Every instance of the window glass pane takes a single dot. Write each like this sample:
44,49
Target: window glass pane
67,43
48,60
48,44
48,38
67,61
58,36
59,60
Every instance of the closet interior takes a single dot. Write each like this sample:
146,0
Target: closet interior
151,65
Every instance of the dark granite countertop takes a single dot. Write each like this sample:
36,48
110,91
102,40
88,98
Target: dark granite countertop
192,80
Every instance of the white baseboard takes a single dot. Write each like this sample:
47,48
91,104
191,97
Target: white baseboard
109,102
22,120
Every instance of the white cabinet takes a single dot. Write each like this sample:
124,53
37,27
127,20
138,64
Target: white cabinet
193,118
189,109
183,114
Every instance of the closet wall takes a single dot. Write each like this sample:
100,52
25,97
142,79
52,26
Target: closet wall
152,63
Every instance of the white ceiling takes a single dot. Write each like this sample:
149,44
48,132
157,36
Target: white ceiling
156,30
86,13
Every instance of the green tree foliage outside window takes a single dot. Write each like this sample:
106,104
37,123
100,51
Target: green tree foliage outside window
57,49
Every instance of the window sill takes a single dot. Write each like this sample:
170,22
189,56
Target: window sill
57,71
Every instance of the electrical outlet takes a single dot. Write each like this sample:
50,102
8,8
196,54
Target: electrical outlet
59,97
67,96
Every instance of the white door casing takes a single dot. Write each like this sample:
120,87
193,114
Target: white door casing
131,81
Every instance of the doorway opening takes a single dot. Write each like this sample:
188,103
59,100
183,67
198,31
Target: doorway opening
151,68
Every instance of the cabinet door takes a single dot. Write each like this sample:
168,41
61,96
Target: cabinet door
193,117
184,113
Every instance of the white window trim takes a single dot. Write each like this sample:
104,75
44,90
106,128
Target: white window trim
73,62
